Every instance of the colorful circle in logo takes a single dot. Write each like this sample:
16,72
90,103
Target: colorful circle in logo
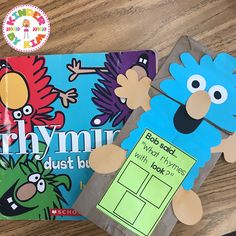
26,28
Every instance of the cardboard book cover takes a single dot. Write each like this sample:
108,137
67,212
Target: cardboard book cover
54,110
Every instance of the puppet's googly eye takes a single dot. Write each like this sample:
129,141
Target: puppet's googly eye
41,186
17,115
27,110
34,178
218,94
196,83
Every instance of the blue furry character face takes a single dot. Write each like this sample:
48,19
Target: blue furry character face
215,76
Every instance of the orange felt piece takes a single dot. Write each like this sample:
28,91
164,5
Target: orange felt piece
228,147
198,104
107,159
187,206
134,89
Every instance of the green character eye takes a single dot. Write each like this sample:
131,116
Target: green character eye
34,178
41,186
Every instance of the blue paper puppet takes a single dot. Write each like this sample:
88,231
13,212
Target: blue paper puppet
196,104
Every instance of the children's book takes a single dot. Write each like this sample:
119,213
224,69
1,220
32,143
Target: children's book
54,110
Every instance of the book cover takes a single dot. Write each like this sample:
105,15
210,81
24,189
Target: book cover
54,110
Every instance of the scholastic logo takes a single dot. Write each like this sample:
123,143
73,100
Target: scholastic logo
64,212
26,28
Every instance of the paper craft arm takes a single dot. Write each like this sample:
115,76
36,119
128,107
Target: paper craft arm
186,204
76,69
134,89
107,159
70,96
228,148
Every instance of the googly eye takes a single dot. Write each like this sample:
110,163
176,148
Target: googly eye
27,110
34,178
218,94
123,100
17,114
41,186
196,83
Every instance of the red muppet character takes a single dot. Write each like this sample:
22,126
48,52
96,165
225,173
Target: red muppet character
26,94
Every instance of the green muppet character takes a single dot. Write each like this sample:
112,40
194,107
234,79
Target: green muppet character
28,190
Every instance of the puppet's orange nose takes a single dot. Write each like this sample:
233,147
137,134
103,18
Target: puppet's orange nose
13,90
198,104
